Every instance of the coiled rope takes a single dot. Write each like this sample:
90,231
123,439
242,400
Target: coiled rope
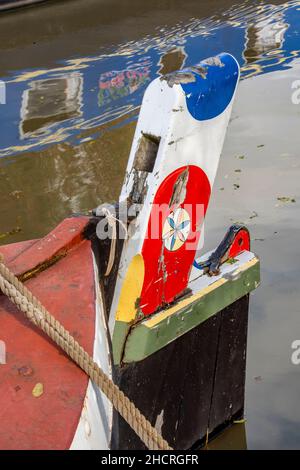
40,317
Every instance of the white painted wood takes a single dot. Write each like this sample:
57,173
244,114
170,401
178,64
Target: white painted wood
95,424
184,140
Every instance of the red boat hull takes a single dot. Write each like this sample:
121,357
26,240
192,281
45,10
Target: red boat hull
59,271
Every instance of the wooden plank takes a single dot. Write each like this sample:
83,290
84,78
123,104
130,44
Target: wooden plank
148,336
192,386
173,388
229,381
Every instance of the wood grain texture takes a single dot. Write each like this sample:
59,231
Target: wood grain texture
193,385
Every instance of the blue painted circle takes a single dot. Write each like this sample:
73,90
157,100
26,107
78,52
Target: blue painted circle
212,91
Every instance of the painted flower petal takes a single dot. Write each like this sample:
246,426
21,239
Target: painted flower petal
173,241
183,224
181,236
168,234
171,222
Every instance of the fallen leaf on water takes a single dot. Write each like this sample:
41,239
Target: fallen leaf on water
239,421
16,194
12,232
38,390
286,199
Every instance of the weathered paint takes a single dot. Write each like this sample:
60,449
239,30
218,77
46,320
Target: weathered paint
169,264
178,141
50,421
204,101
49,249
195,383
129,305
235,241
131,290
10,252
95,425
68,286
153,334
121,331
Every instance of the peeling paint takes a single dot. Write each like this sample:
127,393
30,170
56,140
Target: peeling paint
178,110
199,70
177,78
159,422
139,187
179,190
234,276
187,76
175,141
214,61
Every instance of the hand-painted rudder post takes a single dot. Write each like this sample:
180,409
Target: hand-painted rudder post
179,334
170,173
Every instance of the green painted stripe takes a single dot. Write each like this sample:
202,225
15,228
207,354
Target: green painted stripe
143,341
121,331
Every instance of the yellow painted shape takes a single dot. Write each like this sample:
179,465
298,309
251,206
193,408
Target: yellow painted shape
185,302
131,290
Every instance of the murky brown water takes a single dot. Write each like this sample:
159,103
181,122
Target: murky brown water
65,138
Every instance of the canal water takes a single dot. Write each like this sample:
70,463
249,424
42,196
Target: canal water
75,72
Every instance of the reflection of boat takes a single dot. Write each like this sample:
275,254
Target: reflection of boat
264,36
100,54
49,101
10,4
177,327
114,84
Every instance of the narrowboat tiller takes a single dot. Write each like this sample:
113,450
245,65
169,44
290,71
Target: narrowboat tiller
164,322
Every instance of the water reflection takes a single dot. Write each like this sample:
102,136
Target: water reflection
61,180
265,36
50,101
173,59
234,438
111,84
116,84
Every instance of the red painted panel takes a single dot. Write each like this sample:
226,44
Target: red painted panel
65,236
10,252
167,266
240,243
50,421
